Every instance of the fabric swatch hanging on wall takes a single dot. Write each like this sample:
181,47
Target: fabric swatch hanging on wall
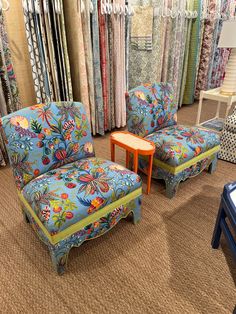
221,55
77,48
9,94
97,45
86,26
47,43
169,55
118,24
186,54
213,60
146,65
207,46
192,58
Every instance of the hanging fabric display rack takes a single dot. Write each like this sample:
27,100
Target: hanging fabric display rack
92,62
184,41
45,31
94,51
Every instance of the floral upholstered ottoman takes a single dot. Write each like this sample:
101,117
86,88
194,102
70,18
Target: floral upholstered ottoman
67,194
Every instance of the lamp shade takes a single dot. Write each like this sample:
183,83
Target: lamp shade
228,35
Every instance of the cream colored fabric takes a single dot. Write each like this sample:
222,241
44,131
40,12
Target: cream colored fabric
142,26
76,51
89,61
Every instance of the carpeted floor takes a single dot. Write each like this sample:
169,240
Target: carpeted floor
165,264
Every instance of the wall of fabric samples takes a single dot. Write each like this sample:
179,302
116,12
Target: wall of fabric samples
93,51
184,51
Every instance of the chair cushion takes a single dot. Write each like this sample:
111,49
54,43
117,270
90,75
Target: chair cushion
68,194
177,144
151,107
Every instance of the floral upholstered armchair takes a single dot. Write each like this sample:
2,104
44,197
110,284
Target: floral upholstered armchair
67,194
181,151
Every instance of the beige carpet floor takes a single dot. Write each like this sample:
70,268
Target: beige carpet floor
165,264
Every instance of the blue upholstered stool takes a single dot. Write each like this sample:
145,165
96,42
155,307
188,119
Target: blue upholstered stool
227,210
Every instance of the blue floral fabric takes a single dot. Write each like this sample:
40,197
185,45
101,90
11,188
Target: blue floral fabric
177,144
44,137
66,195
151,107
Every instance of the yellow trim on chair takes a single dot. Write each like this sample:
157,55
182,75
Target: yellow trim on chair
187,164
82,223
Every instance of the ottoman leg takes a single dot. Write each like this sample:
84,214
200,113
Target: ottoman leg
212,166
137,212
172,184
217,230
59,259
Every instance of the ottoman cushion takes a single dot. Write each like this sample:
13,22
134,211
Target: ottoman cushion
178,144
69,194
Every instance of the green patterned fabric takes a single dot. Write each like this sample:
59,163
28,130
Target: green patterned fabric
188,97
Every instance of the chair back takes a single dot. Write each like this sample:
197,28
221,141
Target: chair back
45,137
151,107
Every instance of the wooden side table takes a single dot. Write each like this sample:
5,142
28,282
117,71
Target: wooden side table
214,94
136,145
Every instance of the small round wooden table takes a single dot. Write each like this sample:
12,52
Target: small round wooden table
136,145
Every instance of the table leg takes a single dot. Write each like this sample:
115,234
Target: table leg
136,162
112,151
229,104
149,174
218,109
127,159
199,109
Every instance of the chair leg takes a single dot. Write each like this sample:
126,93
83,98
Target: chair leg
26,219
59,259
213,165
137,214
215,242
171,187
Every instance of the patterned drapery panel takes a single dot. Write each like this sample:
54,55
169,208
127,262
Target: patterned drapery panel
9,94
47,44
184,49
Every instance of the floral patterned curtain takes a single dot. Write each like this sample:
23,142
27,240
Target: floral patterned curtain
9,94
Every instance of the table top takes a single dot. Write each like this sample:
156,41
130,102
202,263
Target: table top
229,195
129,140
215,94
